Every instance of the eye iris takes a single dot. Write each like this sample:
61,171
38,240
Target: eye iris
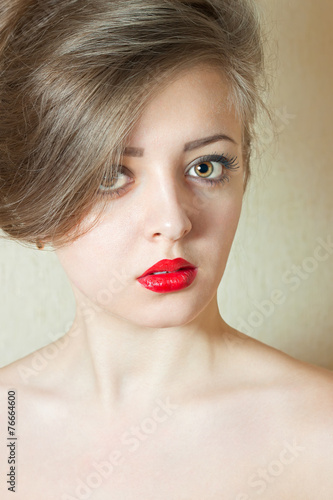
204,169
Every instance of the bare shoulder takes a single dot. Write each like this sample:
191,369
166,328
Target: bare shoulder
38,381
266,363
309,419
34,372
305,386
296,399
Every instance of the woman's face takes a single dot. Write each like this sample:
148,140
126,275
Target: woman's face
167,207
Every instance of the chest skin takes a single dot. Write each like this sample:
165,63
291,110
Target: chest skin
222,449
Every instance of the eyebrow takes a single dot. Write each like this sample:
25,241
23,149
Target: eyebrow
189,146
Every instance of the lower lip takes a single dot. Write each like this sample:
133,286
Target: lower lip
169,282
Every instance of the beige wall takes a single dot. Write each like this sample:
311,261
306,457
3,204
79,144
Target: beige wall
287,212
290,204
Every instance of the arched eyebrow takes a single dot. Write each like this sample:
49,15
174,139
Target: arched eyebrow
189,146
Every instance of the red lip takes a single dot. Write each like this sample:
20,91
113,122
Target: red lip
169,266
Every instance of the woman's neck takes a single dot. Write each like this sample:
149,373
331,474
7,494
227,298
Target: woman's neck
125,364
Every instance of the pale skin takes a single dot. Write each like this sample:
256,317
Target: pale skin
179,404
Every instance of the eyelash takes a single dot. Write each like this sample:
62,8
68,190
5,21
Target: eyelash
228,163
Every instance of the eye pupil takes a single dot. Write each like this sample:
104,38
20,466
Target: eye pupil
204,169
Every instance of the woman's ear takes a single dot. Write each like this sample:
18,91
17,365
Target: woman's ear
40,244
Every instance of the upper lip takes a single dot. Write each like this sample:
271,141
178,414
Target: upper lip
168,265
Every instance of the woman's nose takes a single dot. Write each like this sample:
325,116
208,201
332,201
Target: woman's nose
167,211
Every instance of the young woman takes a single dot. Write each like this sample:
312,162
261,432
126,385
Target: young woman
125,136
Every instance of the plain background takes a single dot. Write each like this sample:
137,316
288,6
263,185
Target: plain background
274,288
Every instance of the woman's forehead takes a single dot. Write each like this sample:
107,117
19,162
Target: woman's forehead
195,105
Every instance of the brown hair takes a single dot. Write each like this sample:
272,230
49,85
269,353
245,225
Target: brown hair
75,77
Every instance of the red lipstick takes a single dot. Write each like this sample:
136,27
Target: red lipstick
176,275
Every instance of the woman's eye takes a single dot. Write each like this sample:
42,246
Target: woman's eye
113,183
210,169
207,169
